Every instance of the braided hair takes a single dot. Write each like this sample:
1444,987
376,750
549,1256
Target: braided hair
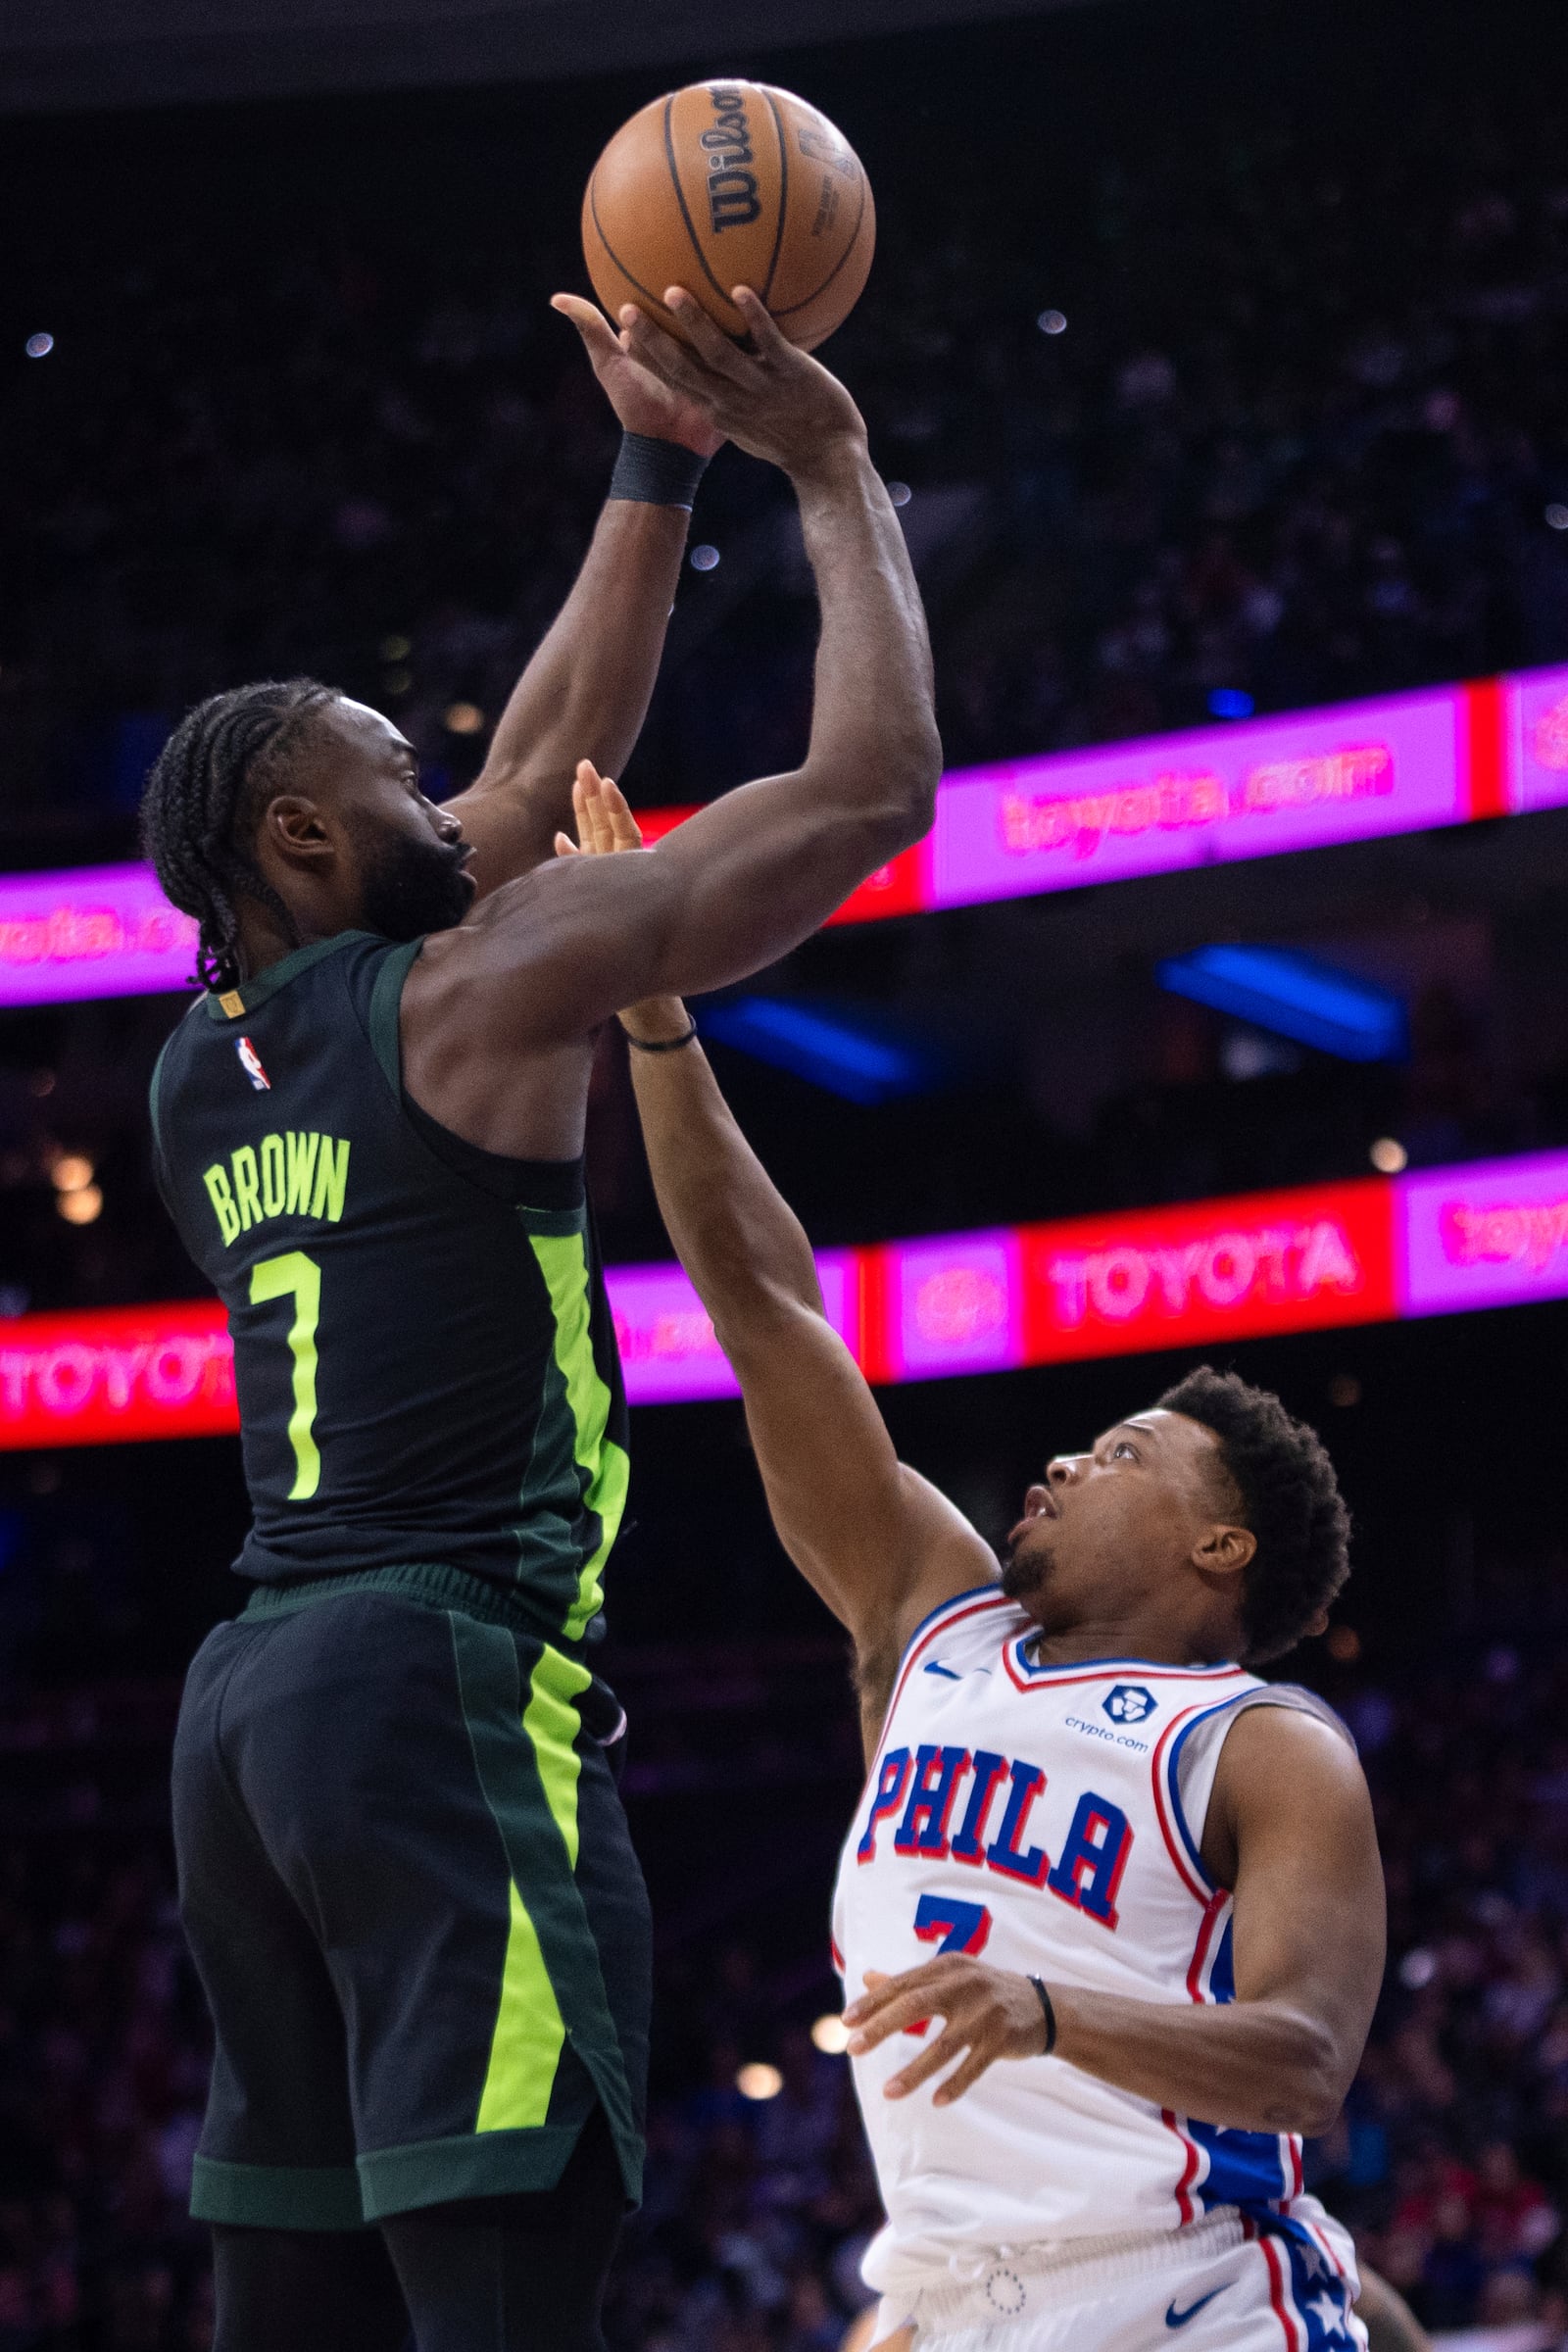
203,801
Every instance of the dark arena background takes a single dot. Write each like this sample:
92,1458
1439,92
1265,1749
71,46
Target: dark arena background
1220,356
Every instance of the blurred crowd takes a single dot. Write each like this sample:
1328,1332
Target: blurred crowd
1450,2161
1235,402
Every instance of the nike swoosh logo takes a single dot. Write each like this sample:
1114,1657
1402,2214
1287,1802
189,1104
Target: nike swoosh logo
1179,2319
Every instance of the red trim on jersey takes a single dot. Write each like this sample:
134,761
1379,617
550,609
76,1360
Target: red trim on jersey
1183,1869
934,1625
1205,1929
937,1621
1183,2202
838,1957
1279,2296
1113,1670
1319,2237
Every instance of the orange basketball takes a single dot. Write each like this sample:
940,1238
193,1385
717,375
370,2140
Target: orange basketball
731,183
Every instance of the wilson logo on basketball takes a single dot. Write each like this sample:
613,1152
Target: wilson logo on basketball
732,198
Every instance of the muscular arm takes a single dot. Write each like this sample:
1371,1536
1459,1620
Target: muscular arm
1290,1828
879,1543
544,959
584,693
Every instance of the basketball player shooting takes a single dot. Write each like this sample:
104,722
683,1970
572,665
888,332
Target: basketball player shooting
405,1874
1111,1911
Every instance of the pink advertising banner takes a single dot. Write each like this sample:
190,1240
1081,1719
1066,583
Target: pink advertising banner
1493,1233
1304,781
91,931
1247,791
1536,705
667,1348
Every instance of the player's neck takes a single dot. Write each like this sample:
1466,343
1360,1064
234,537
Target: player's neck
1152,1642
263,941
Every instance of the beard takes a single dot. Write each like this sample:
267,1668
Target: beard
409,887
1024,1567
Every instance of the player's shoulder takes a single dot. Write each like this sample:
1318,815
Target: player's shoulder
1282,1735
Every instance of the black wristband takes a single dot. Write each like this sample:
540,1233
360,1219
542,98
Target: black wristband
656,474
1051,2015
659,1044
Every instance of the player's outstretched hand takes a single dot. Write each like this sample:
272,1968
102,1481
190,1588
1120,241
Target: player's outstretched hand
772,400
605,822
606,825
642,401
987,2013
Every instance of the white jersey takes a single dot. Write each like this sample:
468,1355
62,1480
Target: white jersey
1050,1817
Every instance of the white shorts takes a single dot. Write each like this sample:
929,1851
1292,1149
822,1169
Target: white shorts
1231,2284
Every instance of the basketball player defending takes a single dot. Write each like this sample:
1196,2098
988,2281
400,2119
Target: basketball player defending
1111,1911
403,1870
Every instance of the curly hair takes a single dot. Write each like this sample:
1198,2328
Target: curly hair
202,802
1289,1499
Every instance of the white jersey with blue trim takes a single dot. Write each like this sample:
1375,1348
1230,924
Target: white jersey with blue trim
1041,1816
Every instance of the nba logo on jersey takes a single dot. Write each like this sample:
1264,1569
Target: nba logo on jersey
251,1063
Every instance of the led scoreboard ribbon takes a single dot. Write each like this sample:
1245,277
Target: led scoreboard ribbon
1402,764
1437,1241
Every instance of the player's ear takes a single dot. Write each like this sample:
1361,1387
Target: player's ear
1225,1550
293,825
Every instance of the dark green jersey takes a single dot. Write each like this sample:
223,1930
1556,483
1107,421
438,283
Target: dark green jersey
423,1354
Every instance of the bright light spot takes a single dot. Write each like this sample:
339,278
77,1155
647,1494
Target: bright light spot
831,2035
463,719
1388,1155
72,1173
1231,702
80,1208
1556,515
1343,1643
704,558
38,347
396,649
1344,1391
900,493
1051,323
759,2081
1417,1969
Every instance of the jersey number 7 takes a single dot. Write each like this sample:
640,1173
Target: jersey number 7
952,1927
298,1277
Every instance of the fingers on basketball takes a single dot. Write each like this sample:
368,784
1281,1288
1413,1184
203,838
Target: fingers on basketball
729,182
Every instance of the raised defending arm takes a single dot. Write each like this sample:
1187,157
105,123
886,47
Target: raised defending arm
879,1543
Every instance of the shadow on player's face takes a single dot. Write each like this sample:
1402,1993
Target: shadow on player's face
401,858
1105,1532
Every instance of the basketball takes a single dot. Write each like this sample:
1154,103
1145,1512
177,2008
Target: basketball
731,183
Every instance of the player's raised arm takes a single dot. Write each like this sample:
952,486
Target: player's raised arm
880,1545
584,693
544,960
1290,1829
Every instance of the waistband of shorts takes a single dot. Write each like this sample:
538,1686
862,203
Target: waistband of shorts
431,1584
1067,2271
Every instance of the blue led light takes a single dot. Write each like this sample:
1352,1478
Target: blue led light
1229,702
822,1047
1294,995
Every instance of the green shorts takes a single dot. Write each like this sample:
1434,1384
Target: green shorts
412,1902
